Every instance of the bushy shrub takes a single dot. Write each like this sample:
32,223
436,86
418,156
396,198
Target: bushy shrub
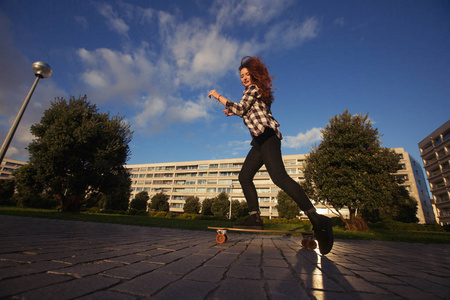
159,202
140,201
192,205
399,226
336,221
161,214
287,208
287,221
7,187
136,212
221,205
44,201
206,207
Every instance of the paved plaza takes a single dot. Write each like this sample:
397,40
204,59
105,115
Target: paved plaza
54,259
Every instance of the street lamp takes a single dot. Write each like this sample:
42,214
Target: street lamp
40,70
231,199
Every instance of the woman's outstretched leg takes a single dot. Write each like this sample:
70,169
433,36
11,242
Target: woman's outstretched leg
271,156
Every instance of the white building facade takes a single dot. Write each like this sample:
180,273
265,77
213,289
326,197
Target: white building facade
8,166
207,178
435,153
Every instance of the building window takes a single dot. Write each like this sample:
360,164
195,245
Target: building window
225,181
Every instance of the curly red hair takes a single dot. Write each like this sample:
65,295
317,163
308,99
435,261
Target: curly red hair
260,76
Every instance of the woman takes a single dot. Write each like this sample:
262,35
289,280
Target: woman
254,109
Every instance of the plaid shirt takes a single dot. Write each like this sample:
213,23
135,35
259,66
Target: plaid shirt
254,111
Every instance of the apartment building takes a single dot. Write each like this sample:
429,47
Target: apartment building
8,166
435,153
207,178
412,173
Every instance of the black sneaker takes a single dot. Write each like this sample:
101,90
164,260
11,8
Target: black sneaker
324,234
251,222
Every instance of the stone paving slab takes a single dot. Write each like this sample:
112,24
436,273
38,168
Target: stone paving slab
55,259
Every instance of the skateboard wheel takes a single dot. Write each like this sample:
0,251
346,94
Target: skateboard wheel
226,237
311,244
221,238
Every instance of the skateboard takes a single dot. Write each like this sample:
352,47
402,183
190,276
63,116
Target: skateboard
308,238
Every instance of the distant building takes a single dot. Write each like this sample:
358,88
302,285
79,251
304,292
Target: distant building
8,166
435,153
207,178
415,182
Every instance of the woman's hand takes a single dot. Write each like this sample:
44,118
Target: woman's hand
214,93
227,112
218,97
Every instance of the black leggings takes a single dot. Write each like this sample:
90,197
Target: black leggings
269,154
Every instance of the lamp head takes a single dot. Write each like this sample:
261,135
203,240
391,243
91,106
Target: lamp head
41,69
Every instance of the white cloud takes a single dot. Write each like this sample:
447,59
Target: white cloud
150,80
249,12
112,19
204,54
82,21
290,34
187,55
115,75
238,146
95,79
149,117
230,149
188,111
140,14
303,139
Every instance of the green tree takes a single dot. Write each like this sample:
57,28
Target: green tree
206,207
7,188
236,209
27,183
221,205
140,201
93,199
287,208
77,150
30,191
407,212
402,209
351,169
244,209
159,202
119,191
192,205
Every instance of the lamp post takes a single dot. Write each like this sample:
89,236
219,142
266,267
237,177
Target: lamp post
231,199
40,70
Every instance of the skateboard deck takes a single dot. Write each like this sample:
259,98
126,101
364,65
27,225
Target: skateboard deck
308,238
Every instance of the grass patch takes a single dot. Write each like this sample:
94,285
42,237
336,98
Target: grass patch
115,218
375,233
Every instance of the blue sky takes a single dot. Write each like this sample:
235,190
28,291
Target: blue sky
155,62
